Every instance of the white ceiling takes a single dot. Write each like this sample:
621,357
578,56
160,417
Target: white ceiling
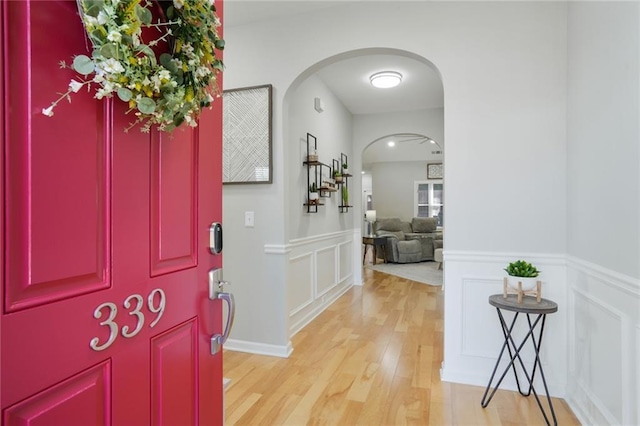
241,12
348,79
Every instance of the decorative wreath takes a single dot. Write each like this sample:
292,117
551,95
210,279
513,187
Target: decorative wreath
165,91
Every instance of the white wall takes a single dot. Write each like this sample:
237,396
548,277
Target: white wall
603,220
393,183
503,66
333,131
321,257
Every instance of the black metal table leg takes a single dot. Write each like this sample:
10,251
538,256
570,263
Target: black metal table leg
528,307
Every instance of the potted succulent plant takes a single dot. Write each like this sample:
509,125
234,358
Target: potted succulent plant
345,196
345,169
337,176
522,272
313,193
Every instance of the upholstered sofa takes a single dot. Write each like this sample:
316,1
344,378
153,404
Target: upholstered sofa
408,241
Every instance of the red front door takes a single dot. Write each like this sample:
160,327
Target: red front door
106,317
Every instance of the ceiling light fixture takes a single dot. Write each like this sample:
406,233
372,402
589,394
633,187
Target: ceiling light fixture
391,143
385,79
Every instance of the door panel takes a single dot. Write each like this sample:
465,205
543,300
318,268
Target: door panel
66,403
174,189
174,383
59,239
101,226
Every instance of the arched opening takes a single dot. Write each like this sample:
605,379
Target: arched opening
415,154
334,101
413,116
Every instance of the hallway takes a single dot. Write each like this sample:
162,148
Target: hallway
371,358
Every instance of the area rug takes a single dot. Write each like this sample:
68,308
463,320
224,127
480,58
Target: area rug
423,272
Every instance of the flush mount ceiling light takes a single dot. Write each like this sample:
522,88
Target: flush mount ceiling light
391,143
385,79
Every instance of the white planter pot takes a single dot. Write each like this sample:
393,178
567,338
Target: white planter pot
527,283
345,172
313,196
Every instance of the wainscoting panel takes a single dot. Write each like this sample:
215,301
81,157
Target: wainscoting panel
326,270
637,390
598,329
604,345
474,336
320,269
345,260
301,291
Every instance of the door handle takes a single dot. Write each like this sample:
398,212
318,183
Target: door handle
215,293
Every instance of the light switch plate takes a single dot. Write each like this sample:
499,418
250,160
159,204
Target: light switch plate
248,219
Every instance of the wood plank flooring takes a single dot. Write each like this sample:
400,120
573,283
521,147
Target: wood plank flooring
372,358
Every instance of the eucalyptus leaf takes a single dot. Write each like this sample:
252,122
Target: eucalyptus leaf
144,14
170,12
168,63
146,105
179,77
218,65
165,60
148,52
93,7
109,50
97,35
125,94
219,44
82,64
127,39
178,119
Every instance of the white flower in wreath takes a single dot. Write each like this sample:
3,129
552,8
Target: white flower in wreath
109,66
102,18
74,86
187,49
101,93
114,36
202,72
109,10
190,121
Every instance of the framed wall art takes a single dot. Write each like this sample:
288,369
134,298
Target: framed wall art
434,171
246,135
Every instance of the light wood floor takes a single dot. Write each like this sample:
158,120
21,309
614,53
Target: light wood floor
372,358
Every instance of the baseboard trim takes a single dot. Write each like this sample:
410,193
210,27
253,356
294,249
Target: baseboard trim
311,315
259,348
579,411
557,390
